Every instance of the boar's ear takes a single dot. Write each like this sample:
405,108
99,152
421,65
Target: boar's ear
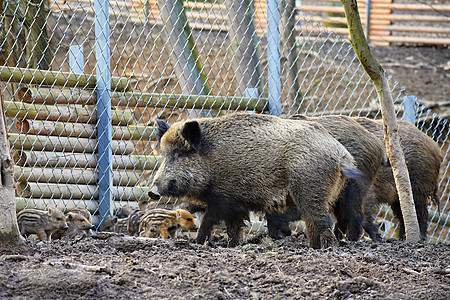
191,132
70,216
162,128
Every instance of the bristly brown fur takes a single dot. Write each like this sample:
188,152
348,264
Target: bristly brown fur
250,162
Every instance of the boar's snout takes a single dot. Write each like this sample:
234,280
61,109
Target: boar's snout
153,193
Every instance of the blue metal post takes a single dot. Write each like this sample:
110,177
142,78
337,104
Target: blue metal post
273,57
409,109
104,131
368,8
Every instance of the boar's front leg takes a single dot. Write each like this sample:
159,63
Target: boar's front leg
319,232
208,221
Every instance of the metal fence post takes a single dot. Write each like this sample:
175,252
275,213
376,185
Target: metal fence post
104,126
273,57
409,109
367,21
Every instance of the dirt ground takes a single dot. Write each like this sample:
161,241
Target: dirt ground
424,72
110,266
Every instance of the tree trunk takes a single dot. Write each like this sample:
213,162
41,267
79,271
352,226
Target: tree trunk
393,147
9,230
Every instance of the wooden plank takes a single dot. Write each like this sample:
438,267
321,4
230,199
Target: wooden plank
412,39
406,28
412,18
419,7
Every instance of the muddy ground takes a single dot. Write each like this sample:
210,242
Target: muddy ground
115,267
112,266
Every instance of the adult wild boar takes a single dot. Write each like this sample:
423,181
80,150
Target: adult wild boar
248,162
356,198
423,159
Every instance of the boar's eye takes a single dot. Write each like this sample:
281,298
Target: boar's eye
189,219
180,154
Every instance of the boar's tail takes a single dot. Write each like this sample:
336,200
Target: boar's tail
436,199
352,172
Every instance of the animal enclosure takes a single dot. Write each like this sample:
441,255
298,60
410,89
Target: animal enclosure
186,61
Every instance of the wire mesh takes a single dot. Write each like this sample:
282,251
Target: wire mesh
179,60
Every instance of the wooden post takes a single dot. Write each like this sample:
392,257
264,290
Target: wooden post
244,53
289,50
37,45
180,43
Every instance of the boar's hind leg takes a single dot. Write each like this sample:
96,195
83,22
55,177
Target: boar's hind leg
278,225
371,228
234,231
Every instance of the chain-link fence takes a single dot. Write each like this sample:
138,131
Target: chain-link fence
171,60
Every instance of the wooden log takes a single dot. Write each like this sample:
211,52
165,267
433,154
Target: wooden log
198,101
75,176
85,160
85,114
58,144
66,204
78,191
62,204
50,78
132,99
79,130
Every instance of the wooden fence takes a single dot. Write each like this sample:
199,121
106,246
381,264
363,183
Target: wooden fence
55,139
389,22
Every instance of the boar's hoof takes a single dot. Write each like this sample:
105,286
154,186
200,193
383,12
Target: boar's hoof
233,243
328,240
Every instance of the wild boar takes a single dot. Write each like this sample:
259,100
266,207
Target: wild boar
133,222
85,213
423,159
77,223
165,222
357,196
248,162
41,222
109,225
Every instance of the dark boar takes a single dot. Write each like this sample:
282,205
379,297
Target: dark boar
165,222
248,162
423,159
77,224
41,222
357,196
